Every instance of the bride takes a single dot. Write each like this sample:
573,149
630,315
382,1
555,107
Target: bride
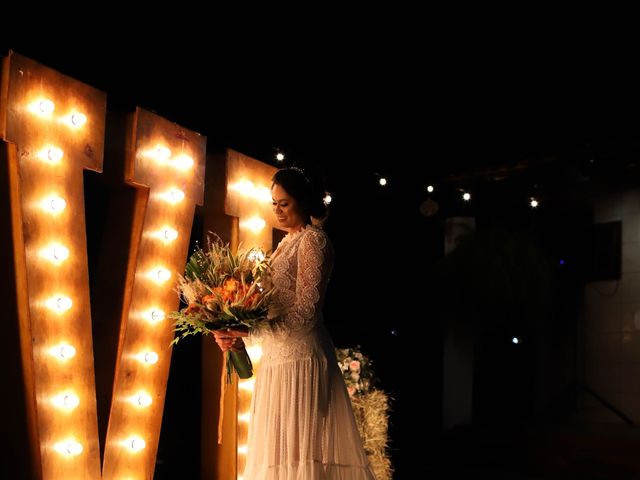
302,425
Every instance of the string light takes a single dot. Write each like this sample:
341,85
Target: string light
533,202
327,199
382,181
430,188
466,196
280,156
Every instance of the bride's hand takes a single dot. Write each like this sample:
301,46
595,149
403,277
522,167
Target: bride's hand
241,331
227,342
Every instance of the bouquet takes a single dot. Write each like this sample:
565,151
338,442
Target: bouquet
356,370
223,290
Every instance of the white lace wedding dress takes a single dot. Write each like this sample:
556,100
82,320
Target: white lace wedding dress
302,426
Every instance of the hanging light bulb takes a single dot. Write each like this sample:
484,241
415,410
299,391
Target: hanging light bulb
382,181
327,199
533,203
466,196
430,188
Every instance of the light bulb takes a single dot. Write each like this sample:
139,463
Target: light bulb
161,153
143,399
182,162
466,196
55,253
54,204
65,351
174,196
169,234
54,154
68,447
256,224
430,188
279,156
327,199
156,316
66,401
46,106
533,203
244,417
78,119
243,449
150,357
162,274
382,181
136,444
60,303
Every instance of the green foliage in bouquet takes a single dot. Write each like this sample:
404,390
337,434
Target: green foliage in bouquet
356,370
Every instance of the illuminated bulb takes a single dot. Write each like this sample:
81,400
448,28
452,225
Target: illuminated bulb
46,106
169,234
183,162
54,154
533,203
150,357
279,156
430,188
244,417
136,444
515,340
65,352
56,253
161,153
162,274
383,181
263,194
256,224
68,447
175,196
243,449
247,385
246,187
156,316
143,399
54,204
327,199
78,119
254,352
59,304
66,401
466,196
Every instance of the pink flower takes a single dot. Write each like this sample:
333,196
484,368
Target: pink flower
351,391
355,366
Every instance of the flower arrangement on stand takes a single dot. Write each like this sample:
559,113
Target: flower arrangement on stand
370,407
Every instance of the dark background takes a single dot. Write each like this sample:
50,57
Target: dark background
506,126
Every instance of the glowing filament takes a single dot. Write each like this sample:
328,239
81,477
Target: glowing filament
149,358
156,315
53,204
142,399
43,107
52,154
168,234
161,153
66,401
64,351
78,119
135,444
56,253
160,274
256,224
173,196
182,162
59,304
68,447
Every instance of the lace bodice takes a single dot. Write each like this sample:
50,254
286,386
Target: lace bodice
302,266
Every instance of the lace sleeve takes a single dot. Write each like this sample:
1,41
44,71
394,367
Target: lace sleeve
315,260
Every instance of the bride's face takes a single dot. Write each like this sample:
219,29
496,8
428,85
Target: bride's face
286,209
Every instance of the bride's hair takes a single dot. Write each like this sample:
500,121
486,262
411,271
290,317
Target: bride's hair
308,195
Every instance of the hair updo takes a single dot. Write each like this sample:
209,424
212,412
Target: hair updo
308,196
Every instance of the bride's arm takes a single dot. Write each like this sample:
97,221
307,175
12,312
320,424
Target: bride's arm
315,259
